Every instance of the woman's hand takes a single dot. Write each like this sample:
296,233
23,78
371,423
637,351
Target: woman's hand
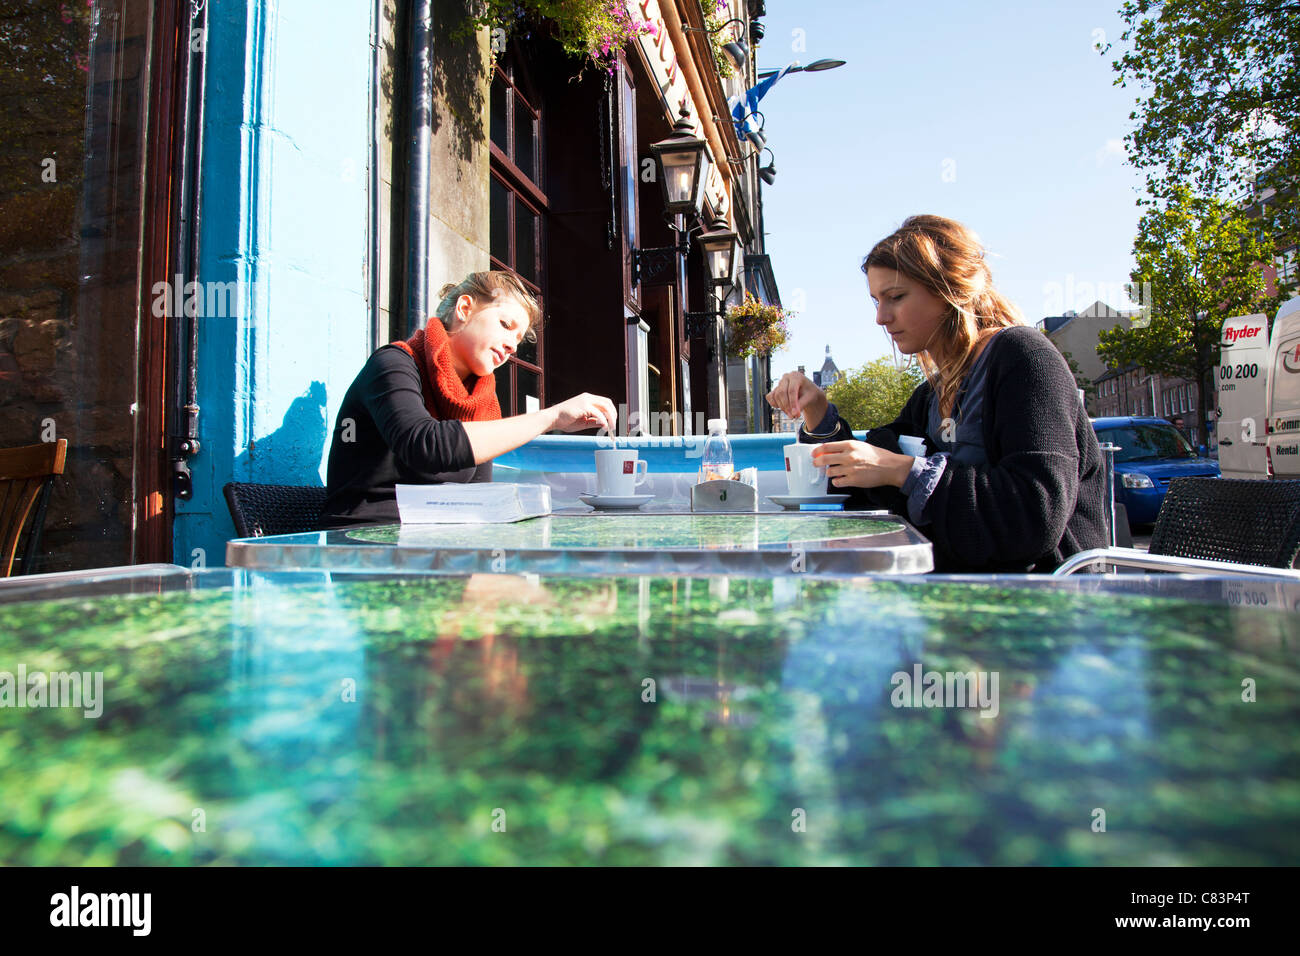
586,411
795,395
859,465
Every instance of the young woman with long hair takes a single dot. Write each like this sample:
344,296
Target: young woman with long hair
1012,480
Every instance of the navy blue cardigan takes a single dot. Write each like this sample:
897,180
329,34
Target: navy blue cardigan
1038,500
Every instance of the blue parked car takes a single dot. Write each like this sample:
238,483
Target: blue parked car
1152,453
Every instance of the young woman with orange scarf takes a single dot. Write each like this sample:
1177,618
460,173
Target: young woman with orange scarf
425,410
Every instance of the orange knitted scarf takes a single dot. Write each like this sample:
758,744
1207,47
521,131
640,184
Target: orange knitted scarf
445,395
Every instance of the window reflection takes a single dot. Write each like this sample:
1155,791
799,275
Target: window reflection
74,91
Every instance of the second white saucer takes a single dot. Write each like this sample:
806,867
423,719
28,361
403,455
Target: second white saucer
615,502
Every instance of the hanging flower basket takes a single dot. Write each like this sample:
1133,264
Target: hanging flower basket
594,30
713,23
754,328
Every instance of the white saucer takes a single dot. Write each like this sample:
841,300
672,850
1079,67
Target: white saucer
615,502
794,501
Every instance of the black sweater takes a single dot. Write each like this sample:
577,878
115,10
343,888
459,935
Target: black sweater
1038,500
385,435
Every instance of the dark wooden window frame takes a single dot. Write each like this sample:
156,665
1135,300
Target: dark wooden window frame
528,192
154,503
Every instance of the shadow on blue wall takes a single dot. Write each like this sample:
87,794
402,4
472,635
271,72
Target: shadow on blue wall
291,454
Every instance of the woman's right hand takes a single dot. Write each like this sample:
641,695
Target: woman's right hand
796,395
586,411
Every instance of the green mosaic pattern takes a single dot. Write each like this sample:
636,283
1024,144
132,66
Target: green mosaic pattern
524,695
636,531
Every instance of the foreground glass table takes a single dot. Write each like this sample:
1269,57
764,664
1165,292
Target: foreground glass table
299,718
830,543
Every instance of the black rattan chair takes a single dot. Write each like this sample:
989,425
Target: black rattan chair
1215,525
262,510
1230,519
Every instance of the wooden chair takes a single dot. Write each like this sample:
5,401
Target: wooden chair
26,477
263,510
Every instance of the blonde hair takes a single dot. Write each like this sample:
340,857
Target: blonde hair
488,287
947,259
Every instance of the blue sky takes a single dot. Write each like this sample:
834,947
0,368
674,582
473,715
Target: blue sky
1010,100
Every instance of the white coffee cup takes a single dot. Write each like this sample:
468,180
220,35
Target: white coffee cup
617,471
911,445
802,477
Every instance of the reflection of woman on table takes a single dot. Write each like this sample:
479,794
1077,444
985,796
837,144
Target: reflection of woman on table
425,410
1013,479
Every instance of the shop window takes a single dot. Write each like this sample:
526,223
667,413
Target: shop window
517,219
84,229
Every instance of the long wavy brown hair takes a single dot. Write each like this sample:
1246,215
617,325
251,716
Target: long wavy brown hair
948,260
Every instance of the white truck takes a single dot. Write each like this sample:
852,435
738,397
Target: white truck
1243,396
1283,407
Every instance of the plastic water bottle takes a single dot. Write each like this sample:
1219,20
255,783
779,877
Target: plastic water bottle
717,461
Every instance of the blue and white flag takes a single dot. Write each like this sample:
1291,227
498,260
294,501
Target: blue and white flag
743,105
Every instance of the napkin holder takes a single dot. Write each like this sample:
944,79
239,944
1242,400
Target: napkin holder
724,494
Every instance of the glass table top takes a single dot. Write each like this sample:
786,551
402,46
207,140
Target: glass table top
639,531
654,543
304,718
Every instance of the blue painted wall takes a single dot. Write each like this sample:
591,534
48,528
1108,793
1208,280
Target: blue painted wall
284,218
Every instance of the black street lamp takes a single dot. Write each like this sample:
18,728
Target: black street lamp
683,167
738,50
719,246
816,66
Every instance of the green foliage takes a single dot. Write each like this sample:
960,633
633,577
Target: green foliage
754,328
1197,256
592,29
717,39
1221,97
874,394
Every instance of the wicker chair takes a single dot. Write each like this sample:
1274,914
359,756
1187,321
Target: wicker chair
262,510
26,477
1216,526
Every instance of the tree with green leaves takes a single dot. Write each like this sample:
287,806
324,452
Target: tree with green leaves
1199,256
1221,100
874,394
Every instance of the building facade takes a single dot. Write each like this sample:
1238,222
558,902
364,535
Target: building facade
237,201
1135,391
1127,391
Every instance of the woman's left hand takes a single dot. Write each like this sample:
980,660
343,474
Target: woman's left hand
859,465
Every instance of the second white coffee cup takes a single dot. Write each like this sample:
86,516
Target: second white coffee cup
802,477
911,445
619,472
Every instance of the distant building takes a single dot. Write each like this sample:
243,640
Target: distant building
1133,390
1285,267
1127,391
1079,332
782,422
830,372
